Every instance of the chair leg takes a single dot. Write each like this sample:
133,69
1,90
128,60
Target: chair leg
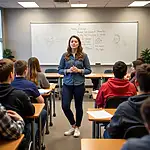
46,104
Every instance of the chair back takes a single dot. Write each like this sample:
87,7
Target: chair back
51,71
137,131
113,102
108,71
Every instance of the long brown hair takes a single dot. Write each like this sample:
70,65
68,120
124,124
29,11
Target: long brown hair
33,69
79,54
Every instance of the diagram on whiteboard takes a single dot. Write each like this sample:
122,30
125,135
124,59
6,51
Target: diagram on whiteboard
116,39
99,40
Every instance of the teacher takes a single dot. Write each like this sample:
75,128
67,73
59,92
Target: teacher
74,64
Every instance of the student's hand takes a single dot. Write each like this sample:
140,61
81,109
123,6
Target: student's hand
14,115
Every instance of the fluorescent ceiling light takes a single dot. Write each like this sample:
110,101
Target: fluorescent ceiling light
28,4
139,3
78,5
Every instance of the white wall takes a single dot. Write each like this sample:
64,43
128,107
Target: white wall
17,24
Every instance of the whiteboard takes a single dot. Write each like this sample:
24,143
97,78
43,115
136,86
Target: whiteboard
104,43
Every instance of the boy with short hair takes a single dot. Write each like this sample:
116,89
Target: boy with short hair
21,83
117,86
11,98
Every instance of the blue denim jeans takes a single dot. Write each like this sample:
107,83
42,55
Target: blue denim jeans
67,95
106,135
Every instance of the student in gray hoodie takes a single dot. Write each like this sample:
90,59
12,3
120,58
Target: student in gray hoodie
144,142
128,113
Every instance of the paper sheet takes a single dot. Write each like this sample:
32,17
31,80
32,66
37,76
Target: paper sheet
100,114
44,91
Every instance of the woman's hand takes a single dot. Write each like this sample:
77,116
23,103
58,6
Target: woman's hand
75,69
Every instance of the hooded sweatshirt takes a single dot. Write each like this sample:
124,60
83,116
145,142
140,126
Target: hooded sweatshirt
114,87
16,100
126,115
137,143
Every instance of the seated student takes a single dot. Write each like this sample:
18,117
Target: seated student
117,86
144,142
11,124
21,83
27,86
35,75
13,99
135,64
128,113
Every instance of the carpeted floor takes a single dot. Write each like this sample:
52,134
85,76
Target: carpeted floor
56,139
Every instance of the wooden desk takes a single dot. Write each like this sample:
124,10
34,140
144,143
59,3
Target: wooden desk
102,144
38,109
96,132
90,76
11,144
101,120
52,75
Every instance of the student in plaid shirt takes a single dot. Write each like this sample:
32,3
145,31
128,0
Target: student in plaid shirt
11,124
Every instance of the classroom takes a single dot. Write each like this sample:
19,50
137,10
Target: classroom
110,31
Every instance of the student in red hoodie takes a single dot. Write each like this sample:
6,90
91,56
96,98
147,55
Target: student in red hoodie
117,86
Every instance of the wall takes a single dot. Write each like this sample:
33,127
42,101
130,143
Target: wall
17,24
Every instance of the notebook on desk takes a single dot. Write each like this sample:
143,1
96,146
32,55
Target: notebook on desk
44,91
99,114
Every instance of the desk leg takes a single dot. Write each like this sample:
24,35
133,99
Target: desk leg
33,133
93,129
97,130
50,105
46,105
54,113
60,87
40,133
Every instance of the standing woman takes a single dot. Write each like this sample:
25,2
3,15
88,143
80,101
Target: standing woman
74,64
35,75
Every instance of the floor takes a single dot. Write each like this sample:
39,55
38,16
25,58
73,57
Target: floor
56,139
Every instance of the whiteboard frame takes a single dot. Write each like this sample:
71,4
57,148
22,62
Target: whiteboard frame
102,64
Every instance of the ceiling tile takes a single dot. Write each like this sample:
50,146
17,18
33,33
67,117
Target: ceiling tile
52,4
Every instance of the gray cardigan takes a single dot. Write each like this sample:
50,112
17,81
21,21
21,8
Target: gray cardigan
42,81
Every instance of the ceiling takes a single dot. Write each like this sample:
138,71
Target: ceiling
51,4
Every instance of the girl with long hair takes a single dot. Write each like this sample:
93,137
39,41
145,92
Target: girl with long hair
35,75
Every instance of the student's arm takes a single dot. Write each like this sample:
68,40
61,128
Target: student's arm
36,94
40,99
116,126
87,67
100,98
28,108
10,128
44,82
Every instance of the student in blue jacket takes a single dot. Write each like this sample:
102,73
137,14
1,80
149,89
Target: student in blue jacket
74,64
